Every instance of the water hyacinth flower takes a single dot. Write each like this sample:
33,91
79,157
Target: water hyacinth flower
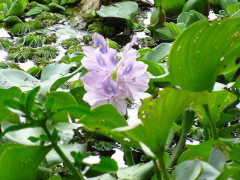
113,77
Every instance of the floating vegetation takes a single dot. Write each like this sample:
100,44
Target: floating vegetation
35,40
5,44
48,52
26,27
22,55
66,44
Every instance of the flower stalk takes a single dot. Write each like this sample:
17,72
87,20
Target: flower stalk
77,174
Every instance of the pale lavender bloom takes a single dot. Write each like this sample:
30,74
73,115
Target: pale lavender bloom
108,93
99,65
110,80
132,75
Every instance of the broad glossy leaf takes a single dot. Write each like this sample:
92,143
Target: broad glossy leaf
196,68
104,119
53,76
190,17
57,177
154,68
201,151
217,158
226,3
139,172
5,94
105,165
21,162
125,10
159,53
78,94
103,177
173,6
14,77
158,115
233,8
230,147
195,169
229,172
188,170
219,100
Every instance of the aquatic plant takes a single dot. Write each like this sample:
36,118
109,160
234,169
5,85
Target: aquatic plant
112,78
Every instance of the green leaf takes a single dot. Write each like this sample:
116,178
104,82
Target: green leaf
17,7
5,44
202,6
236,14
54,75
157,116
61,100
139,172
172,7
233,8
105,165
104,119
78,94
230,147
217,159
30,100
103,177
65,107
170,32
229,172
57,177
5,94
159,53
56,6
21,162
219,100
190,17
188,170
36,8
201,151
226,3
195,68
195,169
154,68
20,133
125,10
14,77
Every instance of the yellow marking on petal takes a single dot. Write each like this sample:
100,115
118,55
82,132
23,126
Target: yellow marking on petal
101,61
128,69
100,46
109,88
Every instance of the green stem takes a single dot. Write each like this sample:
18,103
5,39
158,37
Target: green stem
186,126
212,122
157,171
66,161
128,155
161,164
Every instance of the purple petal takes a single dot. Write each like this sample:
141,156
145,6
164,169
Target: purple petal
110,86
129,45
112,55
121,105
100,42
94,79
